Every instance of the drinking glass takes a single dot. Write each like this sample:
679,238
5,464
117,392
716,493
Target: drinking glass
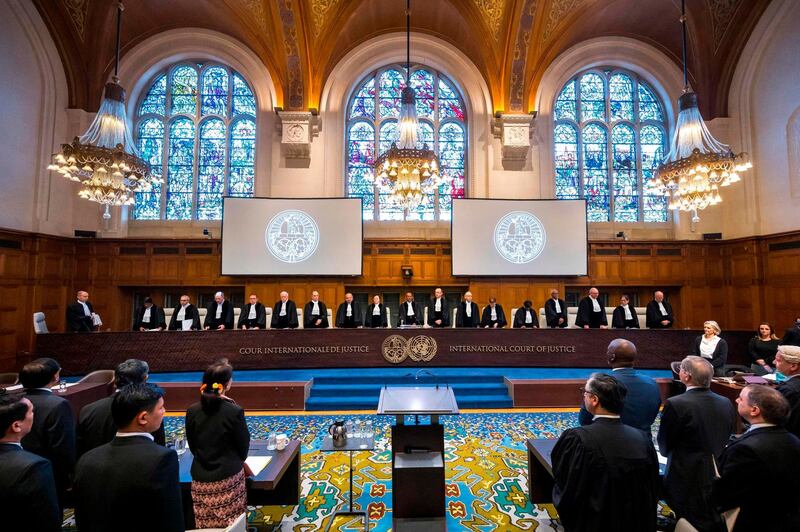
62,386
369,433
272,441
363,428
349,428
180,445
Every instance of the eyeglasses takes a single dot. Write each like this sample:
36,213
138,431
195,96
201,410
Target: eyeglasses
584,391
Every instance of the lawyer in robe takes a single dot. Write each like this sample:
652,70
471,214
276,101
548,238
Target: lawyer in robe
438,310
219,314
555,311
149,317
376,314
591,312
624,316
493,315
284,313
659,313
410,312
468,314
79,314
185,317
254,315
348,315
525,317
315,313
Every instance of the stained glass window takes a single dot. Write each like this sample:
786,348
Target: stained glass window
195,125
372,127
609,137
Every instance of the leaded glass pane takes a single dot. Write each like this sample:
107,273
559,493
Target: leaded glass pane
241,181
450,105
184,91
364,103
391,83
388,210
423,84
566,106
150,142
425,135
593,97
595,179
180,170
388,135
211,170
652,143
626,186
243,100
215,91
156,100
566,162
361,143
620,91
649,108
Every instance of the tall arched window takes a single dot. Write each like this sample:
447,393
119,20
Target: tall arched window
196,127
609,137
372,127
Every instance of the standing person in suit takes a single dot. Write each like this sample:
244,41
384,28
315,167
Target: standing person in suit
149,317
606,473
591,312
438,310
28,499
219,314
376,314
555,311
659,313
525,317
348,315
766,457
95,422
467,314
131,483
284,313
643,397
787,362
695,427
53,432
219,439
710,346
185,317
493,315
410,312
624,316
80,314
315,313
792,334
254,315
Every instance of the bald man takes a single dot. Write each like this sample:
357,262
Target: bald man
787,362
468,314
659,312
349,315
643,399
79,314
438,310
219,314
591,312
284,313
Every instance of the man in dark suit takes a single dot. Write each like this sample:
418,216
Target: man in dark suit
555,311
695,427
468,314
606,473
792,334
284,313
643,396
525,317
79,314
658,314
315,313
219,314
760,471
28,499
149,317
410,312
95,423
349,315
53,432
438,310
591,312
131,483
254,315
494,317
787,361
185,317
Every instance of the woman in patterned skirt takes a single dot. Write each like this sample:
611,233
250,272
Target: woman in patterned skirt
219,440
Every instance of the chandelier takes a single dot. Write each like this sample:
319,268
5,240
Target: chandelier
407,173
104,160
697,164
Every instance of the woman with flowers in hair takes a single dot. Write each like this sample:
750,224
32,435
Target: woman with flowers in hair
218,437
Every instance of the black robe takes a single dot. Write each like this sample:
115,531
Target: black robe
587,316
343,322
791,391
618,320
191,313
654,316
284,322
96,426
309,320
28,499
157,318
551,316
373,321
225,317
461,315
444,315
261,317
77,320
791,336
519,319
404,319
486,318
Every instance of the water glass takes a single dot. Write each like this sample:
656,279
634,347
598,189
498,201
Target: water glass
363,428
180,445
62,386
369,433
349,428
272,441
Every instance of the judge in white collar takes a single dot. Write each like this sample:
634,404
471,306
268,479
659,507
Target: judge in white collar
284,313
219,315
438,310
349,315
468,314
555,311
525,317
315,313
624,316
376,314
659,312
80,314
254,315
591,312
409,311
185,316
149,317
494,317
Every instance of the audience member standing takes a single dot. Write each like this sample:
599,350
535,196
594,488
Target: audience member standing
710,346
762,348
218,437
695,427
787,362
130,484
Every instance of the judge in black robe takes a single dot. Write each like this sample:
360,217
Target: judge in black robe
525,317
284,313
318,320
79,317
792,334
375,320
655,317
787,361
619,320
498,321
556,317
441,317
155,319
414,317
225,319
352,318
259,315
589,316
462,319
190,313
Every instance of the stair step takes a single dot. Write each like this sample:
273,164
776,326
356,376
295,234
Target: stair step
410,380
339,390
371,403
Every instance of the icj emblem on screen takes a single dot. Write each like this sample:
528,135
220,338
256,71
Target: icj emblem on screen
292,236
519,237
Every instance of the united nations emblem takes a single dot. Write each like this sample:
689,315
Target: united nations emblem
421,348
394,349
519,237
292,236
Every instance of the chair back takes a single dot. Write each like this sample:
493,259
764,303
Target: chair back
388,318
572,315
202,312
425,316
39,325
237,311
453,320
511,319
268,311
168,315
299,318
542,319
641,314
9,379
104,376
330,319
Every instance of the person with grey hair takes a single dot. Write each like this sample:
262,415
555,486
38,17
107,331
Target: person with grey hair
284,313
185,317
219,315
787,362
710,346
695,426
591,312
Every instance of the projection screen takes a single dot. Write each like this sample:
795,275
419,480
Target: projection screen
519,237
268,236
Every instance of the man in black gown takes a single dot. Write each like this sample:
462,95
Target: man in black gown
284,313
219,314
624,316
410,312
659,312
525,317
438,310
468,314
787,362
80,314
493,315
149,317
185,317
591,312
349,315
555,311
315,313
254,315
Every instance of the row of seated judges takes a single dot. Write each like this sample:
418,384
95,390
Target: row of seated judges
606,471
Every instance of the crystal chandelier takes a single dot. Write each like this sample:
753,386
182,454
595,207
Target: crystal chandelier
104,160
697,164
409,174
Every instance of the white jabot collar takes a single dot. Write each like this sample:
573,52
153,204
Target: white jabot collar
438,305
558,306
628,315
528,317
349,310
410,307
468,308
252,314
595,304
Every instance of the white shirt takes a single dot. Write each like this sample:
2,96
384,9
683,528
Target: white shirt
707,346
283,309
410,311
627,310
606,416
86,310
528,317
759,426
252,314
146,315
493,316
219,310
349,312
558,307
315,308
376,310
661,308
468,309
595,305
18,444
131,434
182,312
438,305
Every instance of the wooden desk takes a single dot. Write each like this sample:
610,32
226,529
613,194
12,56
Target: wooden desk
79,394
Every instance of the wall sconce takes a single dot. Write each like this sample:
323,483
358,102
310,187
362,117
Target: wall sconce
407,271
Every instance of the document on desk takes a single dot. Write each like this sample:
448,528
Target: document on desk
257,463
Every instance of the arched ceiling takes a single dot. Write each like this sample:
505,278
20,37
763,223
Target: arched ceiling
511,42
